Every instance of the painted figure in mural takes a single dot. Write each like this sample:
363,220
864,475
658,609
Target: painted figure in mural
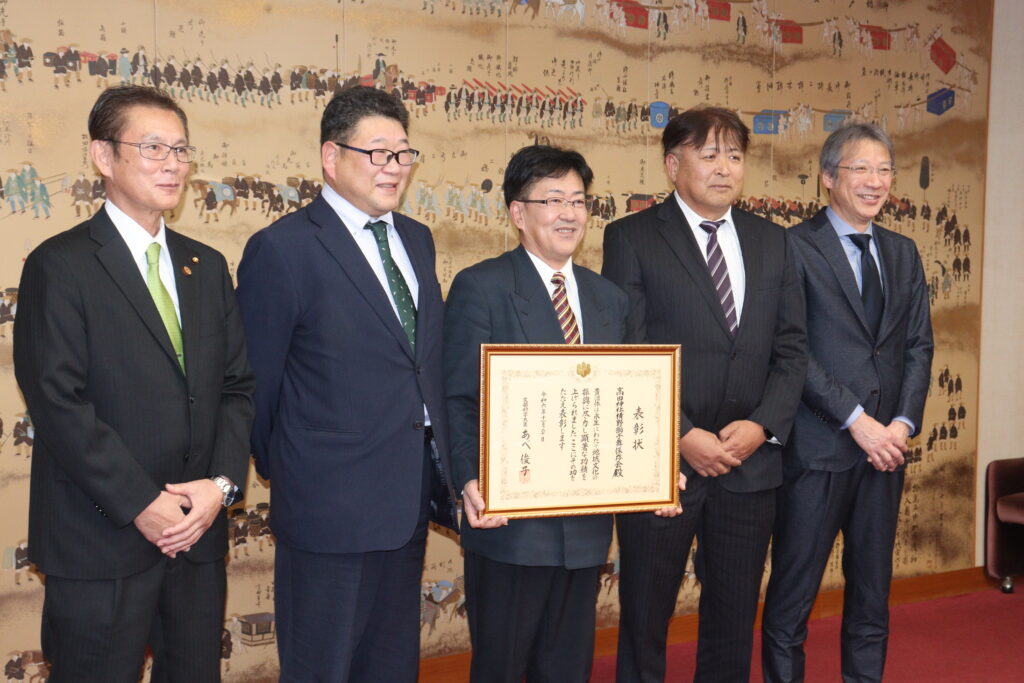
721,282
343,314
14,192
530,583
869,331
40,198
144,410
81,191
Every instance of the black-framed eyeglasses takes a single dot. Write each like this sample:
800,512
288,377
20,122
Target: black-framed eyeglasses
559,203
158,151
383,157
882,171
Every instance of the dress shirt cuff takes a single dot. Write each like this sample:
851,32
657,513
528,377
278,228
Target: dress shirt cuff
857,412
905,420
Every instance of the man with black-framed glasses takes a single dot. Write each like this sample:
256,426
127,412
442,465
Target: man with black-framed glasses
530,583
343,314
130,352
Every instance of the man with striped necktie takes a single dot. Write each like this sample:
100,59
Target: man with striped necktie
530,583
722,283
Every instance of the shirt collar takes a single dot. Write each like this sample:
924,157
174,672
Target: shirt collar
843,228
353,218
695,219
135,236
547,271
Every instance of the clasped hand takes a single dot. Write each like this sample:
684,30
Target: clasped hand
180,515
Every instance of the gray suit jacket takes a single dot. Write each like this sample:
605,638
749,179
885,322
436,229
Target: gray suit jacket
848,366
504,300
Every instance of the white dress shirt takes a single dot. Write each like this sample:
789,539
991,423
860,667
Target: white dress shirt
572,292
138,240
355,220
728,242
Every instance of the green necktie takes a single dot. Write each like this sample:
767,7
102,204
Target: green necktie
399,288
164,304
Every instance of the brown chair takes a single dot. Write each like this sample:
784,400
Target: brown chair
1004,520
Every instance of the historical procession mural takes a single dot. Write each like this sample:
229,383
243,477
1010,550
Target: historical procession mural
481,78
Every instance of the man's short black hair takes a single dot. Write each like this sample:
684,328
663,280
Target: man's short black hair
532,163
107,119
695,126
346,109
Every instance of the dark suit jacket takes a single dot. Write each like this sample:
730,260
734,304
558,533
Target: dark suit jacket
755,376
504,300
848,366
339,393
115,417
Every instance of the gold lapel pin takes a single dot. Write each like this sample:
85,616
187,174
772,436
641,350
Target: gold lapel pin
186,270
195,259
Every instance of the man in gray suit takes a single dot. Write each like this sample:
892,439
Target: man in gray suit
530,583
870,339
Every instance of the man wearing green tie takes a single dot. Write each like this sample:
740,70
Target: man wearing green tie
130,353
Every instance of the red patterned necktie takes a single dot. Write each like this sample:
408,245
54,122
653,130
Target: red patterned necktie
566,318
720,274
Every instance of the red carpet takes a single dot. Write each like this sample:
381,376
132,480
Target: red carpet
975,638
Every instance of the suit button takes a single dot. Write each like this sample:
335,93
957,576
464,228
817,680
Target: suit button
187,456
733,355
877,353
191,399
874,392
419,370
418,424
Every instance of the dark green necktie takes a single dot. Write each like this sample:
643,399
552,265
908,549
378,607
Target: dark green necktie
397,284
164,304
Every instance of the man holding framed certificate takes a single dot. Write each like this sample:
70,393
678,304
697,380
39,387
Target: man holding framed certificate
530,583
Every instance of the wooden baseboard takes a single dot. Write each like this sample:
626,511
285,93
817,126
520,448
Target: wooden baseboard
683,629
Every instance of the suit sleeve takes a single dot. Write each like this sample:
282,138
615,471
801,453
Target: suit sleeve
622,266
917,354
467,325
231,452
269,303
51,363
788,364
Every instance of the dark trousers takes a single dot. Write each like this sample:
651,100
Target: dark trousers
732,531
814,506
351,616
536,622
98,630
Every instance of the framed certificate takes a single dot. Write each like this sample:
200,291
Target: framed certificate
578,429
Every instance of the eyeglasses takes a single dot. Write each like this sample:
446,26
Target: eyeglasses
158,151
559,203
882,171
383,157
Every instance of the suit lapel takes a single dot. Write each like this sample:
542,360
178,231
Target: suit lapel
750,246
675,230
889,257
594,313
117,260
337,240
422,266
190,300
827,241
532,303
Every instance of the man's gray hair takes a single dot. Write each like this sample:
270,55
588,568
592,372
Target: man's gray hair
832,150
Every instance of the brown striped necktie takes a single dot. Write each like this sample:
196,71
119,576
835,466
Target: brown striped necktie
720,274
566,318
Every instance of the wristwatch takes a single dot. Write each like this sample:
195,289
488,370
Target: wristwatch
229,490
